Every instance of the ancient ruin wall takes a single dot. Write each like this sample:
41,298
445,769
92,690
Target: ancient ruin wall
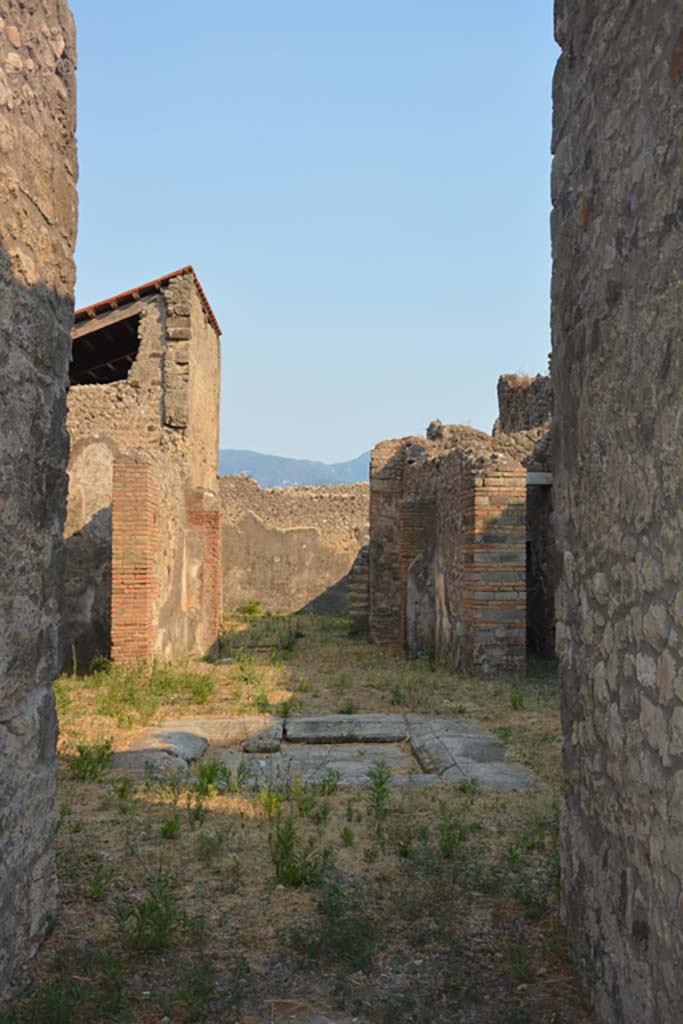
169,402
166,599
386,490
523,403
617,307
37,231
290,548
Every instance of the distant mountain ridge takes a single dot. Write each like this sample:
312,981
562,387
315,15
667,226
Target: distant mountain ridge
277,471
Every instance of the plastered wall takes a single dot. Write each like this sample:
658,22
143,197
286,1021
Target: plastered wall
290,548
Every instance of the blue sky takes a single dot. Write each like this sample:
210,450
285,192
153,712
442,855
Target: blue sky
362,188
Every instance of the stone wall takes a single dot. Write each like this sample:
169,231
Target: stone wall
290,548
523,403
166,598
447,562
168,403
359,592
38,173
617,364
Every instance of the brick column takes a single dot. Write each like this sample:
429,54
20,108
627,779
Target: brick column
494,554
385,576
135,544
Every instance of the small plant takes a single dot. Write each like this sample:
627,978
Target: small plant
262,703
320,815
347,836
271,798
209,774
123,793
379,776
285,708
516,699
170,828
296,863
209,846
345,935
197,812
251,608
99,882
459,709
151,923
329,783
452,832
348,707
91,760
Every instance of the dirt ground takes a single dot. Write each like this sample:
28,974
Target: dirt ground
206,900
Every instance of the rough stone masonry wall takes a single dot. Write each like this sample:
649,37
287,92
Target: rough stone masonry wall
290,548
168,403
523,403
166,585
617,364
38,174
447,551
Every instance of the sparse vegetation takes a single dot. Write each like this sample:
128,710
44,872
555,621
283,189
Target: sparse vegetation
405,903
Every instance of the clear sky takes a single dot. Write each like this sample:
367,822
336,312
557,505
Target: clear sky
361,185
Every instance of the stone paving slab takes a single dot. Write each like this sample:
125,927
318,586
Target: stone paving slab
309,748
347,729
311,764
138,764
228,732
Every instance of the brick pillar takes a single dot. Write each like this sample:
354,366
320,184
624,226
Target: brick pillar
204,516
386,470
135,544
494,552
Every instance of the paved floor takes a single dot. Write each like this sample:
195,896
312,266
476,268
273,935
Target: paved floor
418,749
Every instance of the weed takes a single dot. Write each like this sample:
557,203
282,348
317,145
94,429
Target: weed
209,774
459,709
151,923
379,776
136,694
329,783
99,882
251,608
170,828
516,699
348,707
209,846
397,695
321,813
452,832
91,760
346,935
196,989
296,862
62,697
72,997
518,963
262,703
197,813
271,798
285,708
123,792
